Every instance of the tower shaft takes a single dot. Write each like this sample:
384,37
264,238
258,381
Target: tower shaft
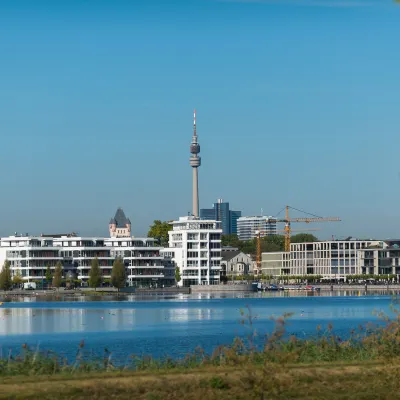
195,192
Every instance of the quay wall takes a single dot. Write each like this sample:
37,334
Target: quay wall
222,288
167,290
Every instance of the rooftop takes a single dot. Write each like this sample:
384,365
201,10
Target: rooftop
120,219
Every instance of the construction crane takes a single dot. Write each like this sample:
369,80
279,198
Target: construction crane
288,230
259,236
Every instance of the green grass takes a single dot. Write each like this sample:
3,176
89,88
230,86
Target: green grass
270,381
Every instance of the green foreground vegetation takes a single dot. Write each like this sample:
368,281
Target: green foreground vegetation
365,380
364,365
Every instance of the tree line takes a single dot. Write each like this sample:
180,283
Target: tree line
55,278
269,244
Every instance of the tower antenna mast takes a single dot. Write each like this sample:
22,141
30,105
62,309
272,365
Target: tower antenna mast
195,162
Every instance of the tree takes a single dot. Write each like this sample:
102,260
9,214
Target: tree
5,276
49,275
17,278
303,238
177,275
159,230
57,278
95,274
118,277
230,240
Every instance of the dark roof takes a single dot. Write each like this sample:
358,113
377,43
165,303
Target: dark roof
120,219
229,254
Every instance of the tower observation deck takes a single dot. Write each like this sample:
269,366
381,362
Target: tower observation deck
195,162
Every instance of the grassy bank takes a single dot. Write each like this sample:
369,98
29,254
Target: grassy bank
271,381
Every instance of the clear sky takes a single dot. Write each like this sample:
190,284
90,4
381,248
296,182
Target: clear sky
297,103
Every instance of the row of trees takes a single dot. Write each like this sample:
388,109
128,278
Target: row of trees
118,275
268,243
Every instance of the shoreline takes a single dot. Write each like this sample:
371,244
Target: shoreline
162,292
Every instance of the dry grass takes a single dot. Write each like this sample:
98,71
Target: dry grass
270,381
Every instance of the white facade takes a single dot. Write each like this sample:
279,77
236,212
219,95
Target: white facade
31,255
331,259
247,227
195,248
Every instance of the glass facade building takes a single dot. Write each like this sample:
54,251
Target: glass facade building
221,212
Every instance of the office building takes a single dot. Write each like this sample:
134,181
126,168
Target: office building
330,259
247,227
220,212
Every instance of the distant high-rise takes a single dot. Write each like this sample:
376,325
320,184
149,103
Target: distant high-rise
248,226
195,162
221,212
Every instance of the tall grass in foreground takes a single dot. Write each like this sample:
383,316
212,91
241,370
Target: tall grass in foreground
368,342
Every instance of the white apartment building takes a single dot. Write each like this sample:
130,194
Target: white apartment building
331,259
195,248
31,255
247,227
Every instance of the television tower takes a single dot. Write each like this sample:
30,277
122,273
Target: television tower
195,162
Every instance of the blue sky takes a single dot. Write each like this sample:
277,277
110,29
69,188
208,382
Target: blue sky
297,104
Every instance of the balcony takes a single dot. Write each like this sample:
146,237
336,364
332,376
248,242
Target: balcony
147,276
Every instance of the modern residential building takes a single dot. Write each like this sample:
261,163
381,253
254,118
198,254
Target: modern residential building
31,255
235,263
381,259
247,227
144,261
330,259
120,226
195,248
220,212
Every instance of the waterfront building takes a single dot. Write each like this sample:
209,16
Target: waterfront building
247,227
31,255
195,248
220,212
144,261
120,226
330,259
380,259
275,264
235,263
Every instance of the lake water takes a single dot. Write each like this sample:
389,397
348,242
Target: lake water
173,325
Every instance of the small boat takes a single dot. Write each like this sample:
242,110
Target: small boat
1,303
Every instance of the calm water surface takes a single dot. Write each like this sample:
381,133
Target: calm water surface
173,325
